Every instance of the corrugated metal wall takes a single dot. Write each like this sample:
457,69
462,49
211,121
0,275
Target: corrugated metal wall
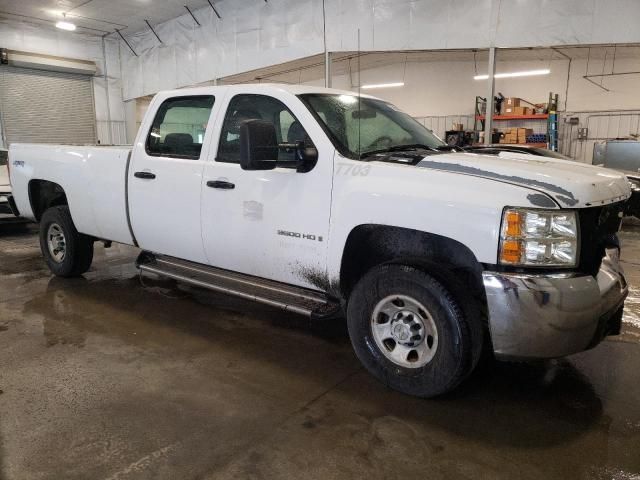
601,126
41,106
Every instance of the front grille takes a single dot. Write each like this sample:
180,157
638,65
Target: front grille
598,229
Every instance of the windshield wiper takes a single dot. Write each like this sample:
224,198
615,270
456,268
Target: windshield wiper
397,148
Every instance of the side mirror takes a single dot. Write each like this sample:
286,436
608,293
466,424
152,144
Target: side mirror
258,145
306,157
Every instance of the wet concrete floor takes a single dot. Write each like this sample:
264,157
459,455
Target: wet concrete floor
115,377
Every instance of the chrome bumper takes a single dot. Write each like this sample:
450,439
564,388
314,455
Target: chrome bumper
547,316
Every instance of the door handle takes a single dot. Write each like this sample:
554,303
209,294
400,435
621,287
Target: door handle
145,175
221,184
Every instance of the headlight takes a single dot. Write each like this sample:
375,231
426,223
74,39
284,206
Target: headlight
634,184
541,238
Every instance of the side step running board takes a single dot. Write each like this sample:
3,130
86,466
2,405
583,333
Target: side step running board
303,301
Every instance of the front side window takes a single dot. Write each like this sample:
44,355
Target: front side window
179,127
261,107
359,128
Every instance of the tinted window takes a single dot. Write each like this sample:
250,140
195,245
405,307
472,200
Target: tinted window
179,127
249,107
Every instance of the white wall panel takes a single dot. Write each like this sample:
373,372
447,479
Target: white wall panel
616,21
255,34
207,50
556,23
185,51
429,23
391,24
150,71
250,35
472,23
344,18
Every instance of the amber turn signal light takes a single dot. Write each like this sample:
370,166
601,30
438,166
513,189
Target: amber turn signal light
513,224
511,251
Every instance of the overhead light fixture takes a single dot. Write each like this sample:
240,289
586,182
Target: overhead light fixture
64,25
526,73
382,85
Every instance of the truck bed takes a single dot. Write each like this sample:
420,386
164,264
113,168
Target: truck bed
94,179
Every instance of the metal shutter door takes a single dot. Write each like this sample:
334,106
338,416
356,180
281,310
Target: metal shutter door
40,106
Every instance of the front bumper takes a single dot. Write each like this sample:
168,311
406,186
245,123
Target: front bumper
7,205
4,203
554,315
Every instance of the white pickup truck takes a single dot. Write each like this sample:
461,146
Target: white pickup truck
326,203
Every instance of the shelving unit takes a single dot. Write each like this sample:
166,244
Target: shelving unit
535,145
540,122
542,116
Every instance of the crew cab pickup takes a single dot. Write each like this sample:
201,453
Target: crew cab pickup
330,204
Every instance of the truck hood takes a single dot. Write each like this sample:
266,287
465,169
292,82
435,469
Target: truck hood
570,184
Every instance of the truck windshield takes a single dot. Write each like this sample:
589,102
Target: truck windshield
361,128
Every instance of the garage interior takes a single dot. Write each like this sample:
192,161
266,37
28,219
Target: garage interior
116,375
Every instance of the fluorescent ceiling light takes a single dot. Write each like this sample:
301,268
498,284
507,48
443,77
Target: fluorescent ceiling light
66,25
383,85
348,99
526,73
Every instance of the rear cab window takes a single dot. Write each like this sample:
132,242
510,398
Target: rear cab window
179,127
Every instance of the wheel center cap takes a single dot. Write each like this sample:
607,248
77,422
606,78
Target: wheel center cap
407,328
400,332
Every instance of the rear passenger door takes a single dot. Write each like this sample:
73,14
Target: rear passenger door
165,177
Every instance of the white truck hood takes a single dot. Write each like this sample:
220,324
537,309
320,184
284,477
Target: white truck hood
570,184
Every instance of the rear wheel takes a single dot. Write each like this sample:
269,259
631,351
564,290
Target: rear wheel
410,332
67,252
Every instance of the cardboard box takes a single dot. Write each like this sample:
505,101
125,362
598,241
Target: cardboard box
512,102
517,111
525,132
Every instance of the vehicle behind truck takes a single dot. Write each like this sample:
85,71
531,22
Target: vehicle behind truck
329,204
5,184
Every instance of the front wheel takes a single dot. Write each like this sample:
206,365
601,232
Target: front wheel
67,252
409,331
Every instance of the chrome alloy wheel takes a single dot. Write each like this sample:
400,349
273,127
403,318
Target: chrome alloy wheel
404,331
56,243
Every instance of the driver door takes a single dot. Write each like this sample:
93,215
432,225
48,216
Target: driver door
269,223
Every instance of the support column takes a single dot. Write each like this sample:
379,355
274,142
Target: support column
327,69
488,118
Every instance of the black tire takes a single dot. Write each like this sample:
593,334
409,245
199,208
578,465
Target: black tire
457,340
78,247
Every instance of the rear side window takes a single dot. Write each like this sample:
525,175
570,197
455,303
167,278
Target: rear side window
179,127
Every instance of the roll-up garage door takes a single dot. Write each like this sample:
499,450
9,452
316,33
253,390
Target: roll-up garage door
40,106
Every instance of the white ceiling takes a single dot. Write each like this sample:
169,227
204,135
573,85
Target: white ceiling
98,16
